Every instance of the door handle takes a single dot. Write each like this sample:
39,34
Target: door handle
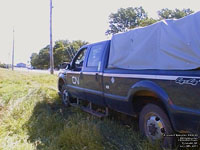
96,76
81,75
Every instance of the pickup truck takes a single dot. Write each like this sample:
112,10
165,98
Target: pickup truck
165,101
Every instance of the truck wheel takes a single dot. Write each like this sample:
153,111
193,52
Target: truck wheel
154,124
65,97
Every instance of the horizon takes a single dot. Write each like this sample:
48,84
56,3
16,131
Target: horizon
75,20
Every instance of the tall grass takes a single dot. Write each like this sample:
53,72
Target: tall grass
32,117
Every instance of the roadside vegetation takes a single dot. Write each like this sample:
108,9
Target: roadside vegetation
32,117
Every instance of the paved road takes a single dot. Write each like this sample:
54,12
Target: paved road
34,70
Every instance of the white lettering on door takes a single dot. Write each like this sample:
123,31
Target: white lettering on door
75,80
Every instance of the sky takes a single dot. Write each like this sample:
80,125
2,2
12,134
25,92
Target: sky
85,20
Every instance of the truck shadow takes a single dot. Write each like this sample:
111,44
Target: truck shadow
53,126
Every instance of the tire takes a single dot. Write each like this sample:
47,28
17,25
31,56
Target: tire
65,96
154,124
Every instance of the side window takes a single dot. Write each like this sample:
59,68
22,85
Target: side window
78,62
95,56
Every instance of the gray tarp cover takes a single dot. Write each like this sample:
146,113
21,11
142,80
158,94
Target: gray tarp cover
166,45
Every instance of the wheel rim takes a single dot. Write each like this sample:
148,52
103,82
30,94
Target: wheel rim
65,97
155,127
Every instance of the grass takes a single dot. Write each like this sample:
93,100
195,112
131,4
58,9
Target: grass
32,117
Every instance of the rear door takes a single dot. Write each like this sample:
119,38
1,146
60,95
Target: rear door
93,74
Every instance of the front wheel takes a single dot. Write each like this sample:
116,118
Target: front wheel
65,97
154,124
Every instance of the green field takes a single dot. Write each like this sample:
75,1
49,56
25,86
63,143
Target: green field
32,117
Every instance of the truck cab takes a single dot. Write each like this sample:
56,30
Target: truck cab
84,77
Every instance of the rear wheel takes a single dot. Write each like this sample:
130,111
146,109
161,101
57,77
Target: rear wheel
65,97
154,124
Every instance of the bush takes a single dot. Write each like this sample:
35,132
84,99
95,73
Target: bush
4,65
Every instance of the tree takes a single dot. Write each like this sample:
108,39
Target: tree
34,59
78,44
73,47
63,51
59,53
64,42
3,65
125,19
43,59
170,14
147,22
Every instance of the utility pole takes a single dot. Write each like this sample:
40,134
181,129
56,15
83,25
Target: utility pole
13,50
51,47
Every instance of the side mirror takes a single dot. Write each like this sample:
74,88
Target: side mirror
63,65
68,67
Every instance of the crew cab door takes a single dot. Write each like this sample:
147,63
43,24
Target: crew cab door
75,79
93,74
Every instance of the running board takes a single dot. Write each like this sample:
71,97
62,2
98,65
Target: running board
74,105
89,110
95,113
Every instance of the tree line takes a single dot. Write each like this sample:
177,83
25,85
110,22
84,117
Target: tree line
63,51
121,21
129,18
3,65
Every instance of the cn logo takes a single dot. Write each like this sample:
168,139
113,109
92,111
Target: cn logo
75,80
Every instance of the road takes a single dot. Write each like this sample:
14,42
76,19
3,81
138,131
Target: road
34,70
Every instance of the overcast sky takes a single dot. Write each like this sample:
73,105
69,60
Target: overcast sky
72,19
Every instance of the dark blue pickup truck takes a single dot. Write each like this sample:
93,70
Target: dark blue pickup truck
164,101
